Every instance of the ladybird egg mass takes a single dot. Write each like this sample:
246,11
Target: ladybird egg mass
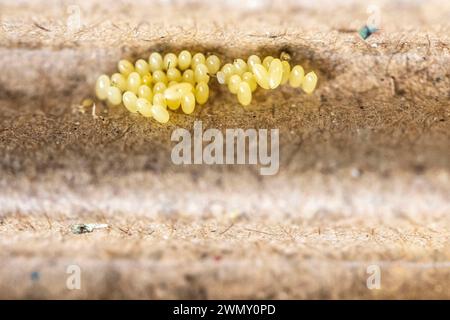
151,87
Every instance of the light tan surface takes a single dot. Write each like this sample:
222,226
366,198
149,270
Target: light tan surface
365,162
230,257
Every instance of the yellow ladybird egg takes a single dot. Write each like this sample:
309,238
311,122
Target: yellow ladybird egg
160,76
250,79
197,59
228,70
170,61
309,82
114,96
213,64
160,113
101,87
144,107
183,87
184,59
252,60
261,76
275,73
141,67
125,67
266,62
145,92
173,104
188,103
296,76
240,66
201,73
177,91
159,87
173,74
286,72
202,92
147,79
189,76
155,62
129,101
134,82
233,83
221,77
244,93
159,99
119,81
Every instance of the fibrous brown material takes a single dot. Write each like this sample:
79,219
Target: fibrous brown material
365,162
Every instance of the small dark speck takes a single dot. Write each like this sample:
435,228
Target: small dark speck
41,27
419,168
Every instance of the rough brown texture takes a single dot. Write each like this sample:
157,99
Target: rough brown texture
365,161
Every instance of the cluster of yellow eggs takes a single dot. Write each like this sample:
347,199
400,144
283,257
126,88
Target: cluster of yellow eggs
160,83
243,78
151,87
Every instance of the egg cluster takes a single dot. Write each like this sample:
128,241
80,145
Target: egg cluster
243,78
152,87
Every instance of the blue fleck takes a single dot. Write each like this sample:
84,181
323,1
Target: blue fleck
35,276
366,31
